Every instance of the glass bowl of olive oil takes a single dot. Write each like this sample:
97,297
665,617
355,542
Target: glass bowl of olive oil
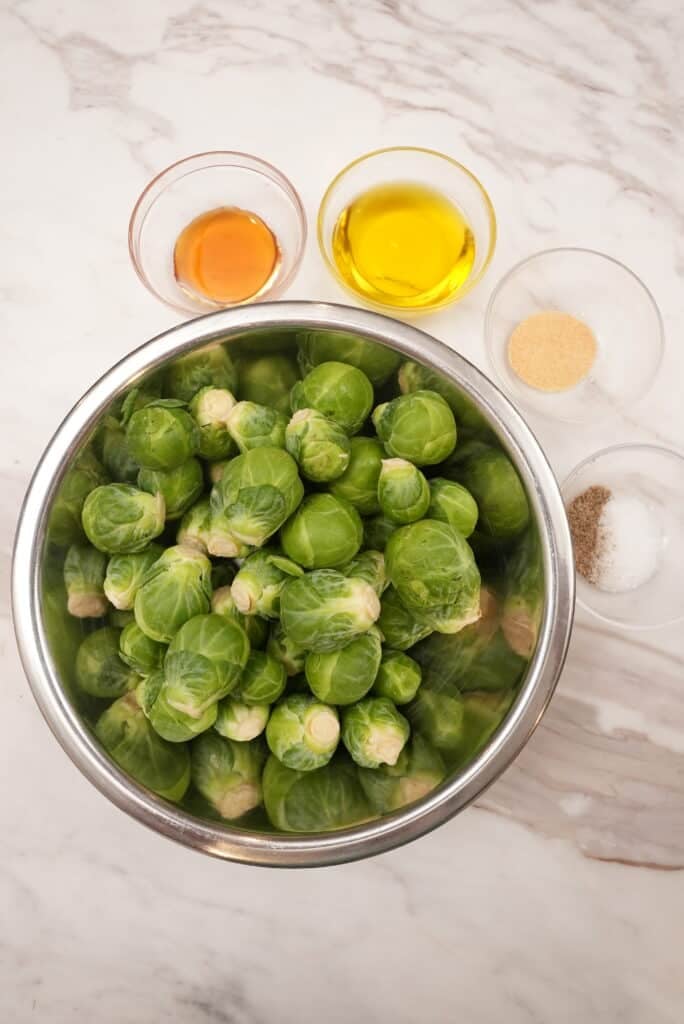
407,229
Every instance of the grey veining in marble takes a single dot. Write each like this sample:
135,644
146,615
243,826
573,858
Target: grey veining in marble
560,896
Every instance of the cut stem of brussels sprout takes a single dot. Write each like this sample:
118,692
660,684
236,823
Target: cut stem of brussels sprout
302,732
228,774
403,491
374,732
84,573
319,445
241,722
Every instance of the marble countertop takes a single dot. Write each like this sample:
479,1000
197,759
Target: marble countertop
559,896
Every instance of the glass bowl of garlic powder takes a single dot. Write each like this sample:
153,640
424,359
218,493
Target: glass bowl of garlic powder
574,335
625,507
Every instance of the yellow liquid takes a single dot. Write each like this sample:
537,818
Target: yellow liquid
403,245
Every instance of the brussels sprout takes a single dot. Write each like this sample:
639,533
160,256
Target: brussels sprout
434,572
320,445
453,504
204,662
118,518
377,531
374,732
162,435
260,579
337,390
302,732
129,739
368,566
346,675
180,487
359,482
240,722
194,526
211,408
116,457
65,526
377,361
149,391
169,722
256,494
175,588
283,648
491,478
268,380
319,801
216,470
482,715
476,658
256,426
437,712
125,574
419,427
415,377
398,677
99,669
400,629
323,610
323,533
119,619
212,367
221,541
419,769
84,573
524,600
254,626
143,655
228,774
403,491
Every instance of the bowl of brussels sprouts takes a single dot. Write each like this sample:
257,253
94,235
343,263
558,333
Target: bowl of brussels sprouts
293,584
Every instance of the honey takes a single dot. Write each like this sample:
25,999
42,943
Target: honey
405,245
227,255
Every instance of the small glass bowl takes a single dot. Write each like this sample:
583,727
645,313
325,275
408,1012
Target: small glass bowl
194,186
417,166
610,299
655,476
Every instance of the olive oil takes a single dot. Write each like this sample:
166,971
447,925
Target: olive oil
404,245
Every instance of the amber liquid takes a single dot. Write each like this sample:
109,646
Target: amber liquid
227,255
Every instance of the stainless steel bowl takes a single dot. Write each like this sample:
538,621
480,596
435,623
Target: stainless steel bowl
253,327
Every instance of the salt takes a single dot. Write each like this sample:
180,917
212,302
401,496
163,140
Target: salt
631,542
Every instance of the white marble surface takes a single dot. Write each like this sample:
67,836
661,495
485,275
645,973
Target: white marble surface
558,897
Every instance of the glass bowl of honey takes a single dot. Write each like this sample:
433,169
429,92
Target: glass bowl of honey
407,229
217,230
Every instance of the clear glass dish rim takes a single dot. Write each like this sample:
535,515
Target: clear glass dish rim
237,158
659,333
426,151
564,486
